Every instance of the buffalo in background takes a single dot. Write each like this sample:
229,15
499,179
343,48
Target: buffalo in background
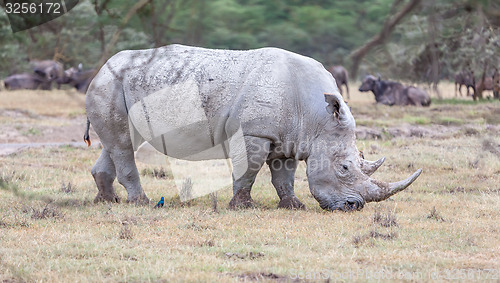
46,72
394,93
22,81
77,78
341,77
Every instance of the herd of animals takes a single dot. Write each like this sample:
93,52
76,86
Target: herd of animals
467,79
394,93
46,72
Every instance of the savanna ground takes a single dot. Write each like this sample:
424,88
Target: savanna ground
444,226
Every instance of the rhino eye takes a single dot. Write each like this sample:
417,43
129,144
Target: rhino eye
345,167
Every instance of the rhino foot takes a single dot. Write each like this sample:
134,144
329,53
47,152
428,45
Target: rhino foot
106,192
291,202
103,197
242,200
141,199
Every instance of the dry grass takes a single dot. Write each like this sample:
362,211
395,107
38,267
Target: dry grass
403,236
54,103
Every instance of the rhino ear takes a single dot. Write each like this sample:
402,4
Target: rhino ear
339,109
333,104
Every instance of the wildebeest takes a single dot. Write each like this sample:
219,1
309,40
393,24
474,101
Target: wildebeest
487,83
341,77
77,78
48,71
464,78
186,100
394,93
22,81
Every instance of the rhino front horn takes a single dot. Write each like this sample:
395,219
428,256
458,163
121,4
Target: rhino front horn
379,191
368,167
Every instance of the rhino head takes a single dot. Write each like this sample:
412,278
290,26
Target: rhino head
339,177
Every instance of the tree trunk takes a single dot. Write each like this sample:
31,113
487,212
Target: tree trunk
99,8
389,25
434,55
496,84
131,12
479,90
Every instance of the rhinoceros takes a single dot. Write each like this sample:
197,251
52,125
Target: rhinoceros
286,106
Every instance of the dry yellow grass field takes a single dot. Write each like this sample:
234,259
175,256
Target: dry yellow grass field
445,226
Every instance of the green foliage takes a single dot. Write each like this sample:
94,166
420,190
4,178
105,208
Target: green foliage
463,34
326,30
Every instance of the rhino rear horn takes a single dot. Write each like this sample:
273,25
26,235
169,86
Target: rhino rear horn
369,167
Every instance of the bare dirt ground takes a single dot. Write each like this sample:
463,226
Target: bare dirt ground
443,227
38,118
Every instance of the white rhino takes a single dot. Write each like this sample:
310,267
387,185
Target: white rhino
275,98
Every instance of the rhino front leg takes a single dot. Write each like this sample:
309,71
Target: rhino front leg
104,174
245,169
283,175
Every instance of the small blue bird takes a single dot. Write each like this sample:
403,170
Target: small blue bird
160,203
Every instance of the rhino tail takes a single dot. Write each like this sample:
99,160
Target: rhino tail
86,136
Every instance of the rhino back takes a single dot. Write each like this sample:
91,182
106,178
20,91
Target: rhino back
269,92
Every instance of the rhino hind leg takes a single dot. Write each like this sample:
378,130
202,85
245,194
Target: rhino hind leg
104,174
283,175
128,175
241,199
257,150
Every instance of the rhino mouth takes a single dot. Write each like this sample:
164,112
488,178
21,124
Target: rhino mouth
350,204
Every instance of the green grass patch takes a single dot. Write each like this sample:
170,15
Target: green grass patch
455,101
372,123
416,120
447,121
32,132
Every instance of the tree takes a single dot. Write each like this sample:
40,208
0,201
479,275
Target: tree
358,54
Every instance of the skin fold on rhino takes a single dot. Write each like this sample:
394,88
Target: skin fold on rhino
286,106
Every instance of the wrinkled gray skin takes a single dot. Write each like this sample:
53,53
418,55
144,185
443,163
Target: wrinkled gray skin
394,93
48,71
77,78
22,81
340,75
277,96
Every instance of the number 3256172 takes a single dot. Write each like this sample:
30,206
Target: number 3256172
33,8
